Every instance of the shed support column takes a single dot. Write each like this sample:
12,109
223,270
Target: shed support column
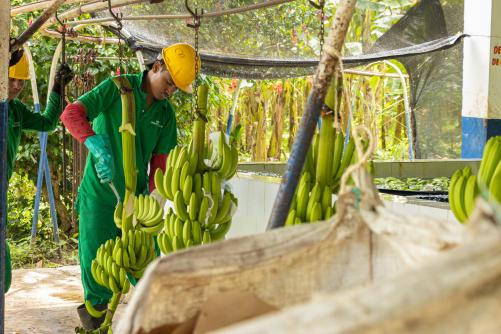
481,115
4,104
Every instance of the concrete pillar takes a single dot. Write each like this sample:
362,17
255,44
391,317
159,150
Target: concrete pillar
481,114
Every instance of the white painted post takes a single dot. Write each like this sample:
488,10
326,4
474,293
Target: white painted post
481,114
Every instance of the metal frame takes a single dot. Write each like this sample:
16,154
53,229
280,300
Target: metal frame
43,164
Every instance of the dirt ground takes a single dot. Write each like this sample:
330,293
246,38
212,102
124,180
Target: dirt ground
44,301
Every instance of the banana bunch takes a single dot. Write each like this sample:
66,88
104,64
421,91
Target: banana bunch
463,189
326,161
147,213
312,202
107,272
208,220
132,252
202,210
489,173
464,186
223,157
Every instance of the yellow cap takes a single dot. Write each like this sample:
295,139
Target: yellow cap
20,70
180,61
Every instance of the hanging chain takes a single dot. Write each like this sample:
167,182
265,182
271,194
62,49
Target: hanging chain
195,84
320,6
322,28
196,25
120,46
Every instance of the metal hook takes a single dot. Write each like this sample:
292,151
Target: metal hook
318,5
194,14
117,19
63,26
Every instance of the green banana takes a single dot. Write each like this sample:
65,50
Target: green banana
202,213
206,237
187,189
193,207
181,159
117,215
175,181
316,212
219,232
324,154
470,194
347,157
291,217
168,183
196,232
159,182
187,232
495,188
215,185
337,154
184,174
197,185
180,207
92,311
224,211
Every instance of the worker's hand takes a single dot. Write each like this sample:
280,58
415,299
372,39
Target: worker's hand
15,57
100,148
64,75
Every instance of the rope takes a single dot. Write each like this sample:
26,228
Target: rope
364,156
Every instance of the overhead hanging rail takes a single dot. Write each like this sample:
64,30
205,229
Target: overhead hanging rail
39,22
93,7
238,10
33,6
82,38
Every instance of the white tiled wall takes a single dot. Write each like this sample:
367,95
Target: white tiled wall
256,198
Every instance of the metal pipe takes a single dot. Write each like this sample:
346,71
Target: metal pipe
82,38
23,38
4,121
33,6
182,16
43,164
325,71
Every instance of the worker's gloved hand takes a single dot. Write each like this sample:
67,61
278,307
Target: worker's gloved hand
64,75
15,57
100,148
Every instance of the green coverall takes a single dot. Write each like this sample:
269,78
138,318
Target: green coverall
156,133
21,118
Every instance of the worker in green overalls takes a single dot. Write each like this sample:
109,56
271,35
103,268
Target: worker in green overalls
21,118
156,135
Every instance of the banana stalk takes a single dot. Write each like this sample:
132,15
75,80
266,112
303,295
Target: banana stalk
199,127
127,129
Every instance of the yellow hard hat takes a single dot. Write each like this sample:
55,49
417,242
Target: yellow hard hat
20,70
180,61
